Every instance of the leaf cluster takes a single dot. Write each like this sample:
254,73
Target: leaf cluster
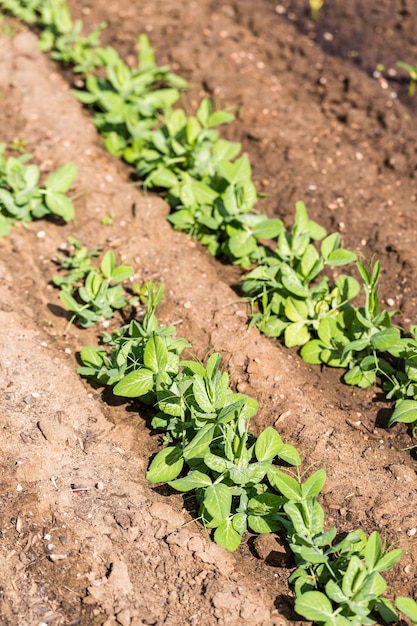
91,293
23,199
289,288
26,10
334,584
126,102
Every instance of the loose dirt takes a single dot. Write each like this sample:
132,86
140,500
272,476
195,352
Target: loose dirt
84,539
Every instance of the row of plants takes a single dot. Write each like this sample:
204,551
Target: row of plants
210,190
205,424
241,483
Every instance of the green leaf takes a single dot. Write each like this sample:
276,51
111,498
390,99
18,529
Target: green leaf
242,244
60,205
92,356
408,607
70,303
267,229
204,111
61,180
135,384
289,454
386,610
314,606
239,521
155,356
340,257
199,445
311,351
268,444
373,550
296,334
121,273
218,501
265,504
263,524
162,177
386,338
285,484
253,473
314,484
220,117
108,263
166,466
216,463
226,536
296,310
405,411
201,395
389,560
329,244
194,480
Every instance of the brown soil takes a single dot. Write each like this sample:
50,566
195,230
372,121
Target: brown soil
84,539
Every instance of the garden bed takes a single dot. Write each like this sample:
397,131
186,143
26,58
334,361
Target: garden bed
85,538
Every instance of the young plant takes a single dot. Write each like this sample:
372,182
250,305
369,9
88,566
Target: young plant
77,264
357,337
334,584
127,349
26,10
412,73
219,211
126,102
93,294
23,199
400,382
286,287
315,6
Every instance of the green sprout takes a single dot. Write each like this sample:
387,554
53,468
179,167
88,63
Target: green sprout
412,72
315,6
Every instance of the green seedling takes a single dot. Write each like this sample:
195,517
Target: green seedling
412,73
127,349
127,101
77,264
220,214
315,6
18,145
107,220
26,10
94,294
400,382
23,199
286,286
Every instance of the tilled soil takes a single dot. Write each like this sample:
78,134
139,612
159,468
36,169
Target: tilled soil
85,540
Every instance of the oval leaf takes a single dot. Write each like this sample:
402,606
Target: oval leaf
135,384
166,466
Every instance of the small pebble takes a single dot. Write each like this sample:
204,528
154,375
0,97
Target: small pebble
57,557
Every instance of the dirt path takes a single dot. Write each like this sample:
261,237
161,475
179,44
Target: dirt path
85,540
